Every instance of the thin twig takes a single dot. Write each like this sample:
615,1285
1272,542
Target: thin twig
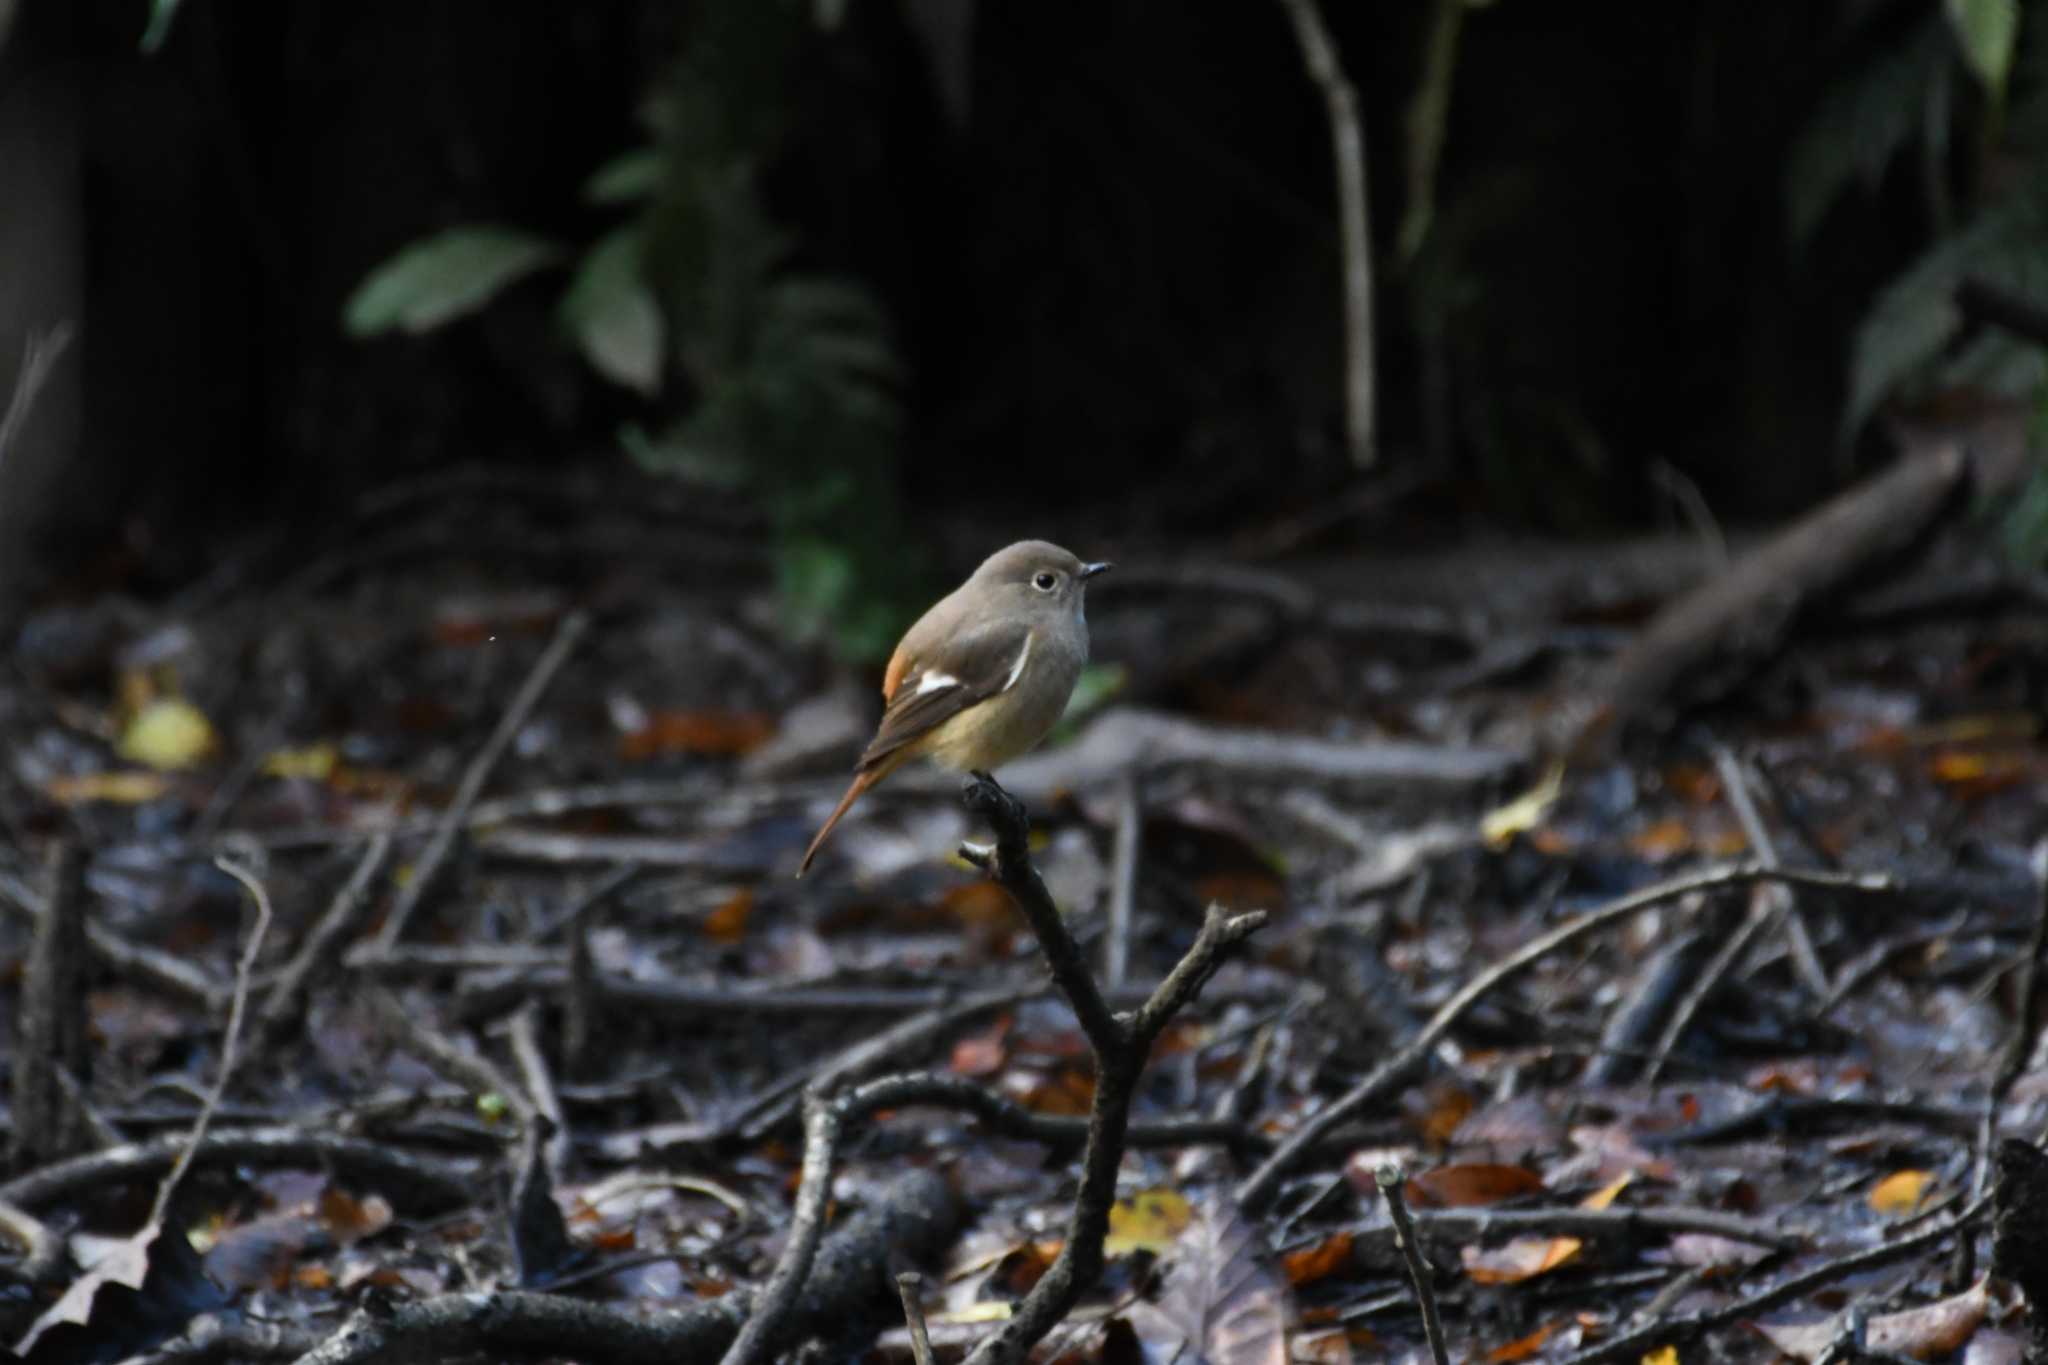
540,1085
1347,141
449,1058
1123,882
456,816
1735,782
910,1284
318,949
1679,1331
175,976
1261,1184
1390,1178
38,358
231,1043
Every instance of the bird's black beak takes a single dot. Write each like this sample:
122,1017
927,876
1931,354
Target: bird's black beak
1089,571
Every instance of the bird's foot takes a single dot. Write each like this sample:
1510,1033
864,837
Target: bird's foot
985,796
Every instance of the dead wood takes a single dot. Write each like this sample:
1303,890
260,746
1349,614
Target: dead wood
425,1184
914,1216
51,1038
1704,640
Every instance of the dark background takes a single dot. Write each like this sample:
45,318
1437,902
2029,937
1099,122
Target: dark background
1109,260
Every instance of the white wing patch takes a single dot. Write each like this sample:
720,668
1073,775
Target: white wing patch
1017,669
933,682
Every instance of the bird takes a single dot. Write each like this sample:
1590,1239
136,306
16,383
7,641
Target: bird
984,674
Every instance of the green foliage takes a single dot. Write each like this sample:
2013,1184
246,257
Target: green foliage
2026,521
612,315
767,378
1860,125
442,278
1988,33
154,34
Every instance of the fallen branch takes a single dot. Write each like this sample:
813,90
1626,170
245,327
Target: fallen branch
425,1184
50,1027
1701,641
1261,1184
914,1217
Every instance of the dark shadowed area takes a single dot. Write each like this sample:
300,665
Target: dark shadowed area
1542,858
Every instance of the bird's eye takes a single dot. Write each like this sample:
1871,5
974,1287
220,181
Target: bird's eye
1045,581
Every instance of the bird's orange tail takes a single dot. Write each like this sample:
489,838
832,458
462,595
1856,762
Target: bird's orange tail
861,782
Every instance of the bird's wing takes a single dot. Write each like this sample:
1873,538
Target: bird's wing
973,666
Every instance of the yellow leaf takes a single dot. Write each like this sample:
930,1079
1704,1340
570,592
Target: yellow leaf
167,734
1901,1193
127,788
1602,1197
981,1310
315,762
1148,1221
1525,812
1663,1355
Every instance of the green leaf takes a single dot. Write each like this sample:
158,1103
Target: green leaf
626,178
612,314
814,579
443,277
1916,317
1861,123
1988,32
161,12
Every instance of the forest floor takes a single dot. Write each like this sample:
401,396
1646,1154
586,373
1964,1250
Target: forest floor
1703,1052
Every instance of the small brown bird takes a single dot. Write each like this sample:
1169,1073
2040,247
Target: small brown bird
984,674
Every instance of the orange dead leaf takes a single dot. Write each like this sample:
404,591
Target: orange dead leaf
983,1053
1694,784
1605,1195
670,733
1979,772
1311,1263
1662,841
1663,1355
728,923
1448,1107
1522,1347
1900,1194
1522,1259
348,1219
1471,1184
980,903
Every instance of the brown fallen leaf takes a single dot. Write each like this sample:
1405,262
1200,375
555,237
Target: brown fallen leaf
1306,1265
1524,1258
1522,1347
1221,1301
1925,1333
1471,1184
